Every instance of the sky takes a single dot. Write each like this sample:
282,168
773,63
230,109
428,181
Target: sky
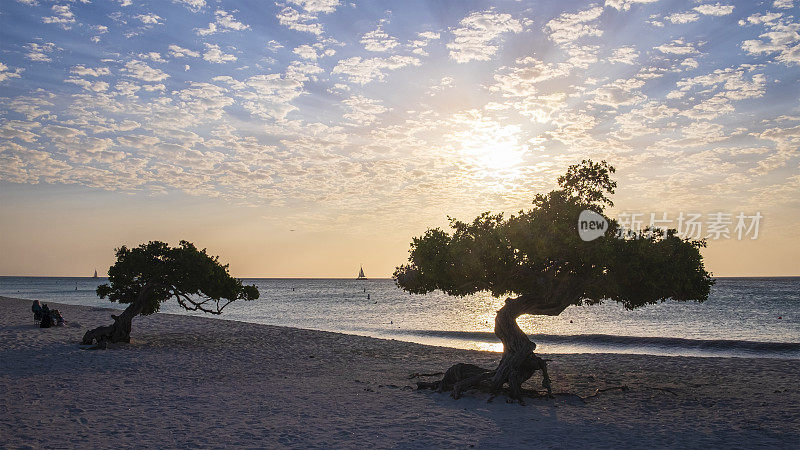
305,138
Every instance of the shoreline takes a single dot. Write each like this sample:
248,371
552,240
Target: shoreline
197,381
589,343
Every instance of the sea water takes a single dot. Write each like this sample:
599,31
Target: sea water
743,317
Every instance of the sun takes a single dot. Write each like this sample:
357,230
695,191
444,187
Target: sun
493,148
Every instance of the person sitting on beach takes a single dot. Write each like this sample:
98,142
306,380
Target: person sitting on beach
36,308
58,319
47,319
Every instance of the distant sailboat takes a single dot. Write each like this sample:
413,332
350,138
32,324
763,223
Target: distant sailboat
95,273
361,275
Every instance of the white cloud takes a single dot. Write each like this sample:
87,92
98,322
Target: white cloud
783,4
363,110
62,16
378,41
306,51
6,74
569,27
782,38
223,21
625,5
624,55
522,79
150,19
363,71
682,17
81,71
317,6
215,55
95,86
274,46
179,52
193,5
476,39
140,70
39,52
717,9
677,47
294,20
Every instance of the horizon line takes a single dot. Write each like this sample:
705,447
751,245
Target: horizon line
348,278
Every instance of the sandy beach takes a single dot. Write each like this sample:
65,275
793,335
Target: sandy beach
201,382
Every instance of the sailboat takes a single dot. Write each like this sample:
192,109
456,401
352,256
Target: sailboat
361,275
95,273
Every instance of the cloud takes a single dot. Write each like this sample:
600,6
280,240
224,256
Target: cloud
624,55
150,19
305,51
783,4
363,110
139,69
179,52
96,86
683,17
62,16
625,5
6,74
215,55
317,6
378,41
223,22
522,79
782,37
677,47
81,71
717,9
295,20
477,37
569,27
39,52
363,71
193,5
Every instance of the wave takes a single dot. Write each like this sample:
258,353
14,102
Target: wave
608,340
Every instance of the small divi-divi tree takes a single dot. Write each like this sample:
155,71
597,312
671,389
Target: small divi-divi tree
539,260
152,273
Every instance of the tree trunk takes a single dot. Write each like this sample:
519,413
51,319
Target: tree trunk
518,362
120,330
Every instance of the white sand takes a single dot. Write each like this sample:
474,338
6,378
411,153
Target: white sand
190,381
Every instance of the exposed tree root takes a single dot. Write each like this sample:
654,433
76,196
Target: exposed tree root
472,377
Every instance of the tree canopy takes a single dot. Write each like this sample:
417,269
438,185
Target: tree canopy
159,272
539,253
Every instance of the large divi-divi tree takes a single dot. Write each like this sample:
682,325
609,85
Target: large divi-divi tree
152,273
539,260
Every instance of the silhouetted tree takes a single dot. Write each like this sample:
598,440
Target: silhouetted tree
538,257
152,273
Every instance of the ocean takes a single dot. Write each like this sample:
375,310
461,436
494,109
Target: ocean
743,317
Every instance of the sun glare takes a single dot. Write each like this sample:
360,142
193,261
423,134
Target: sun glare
492,146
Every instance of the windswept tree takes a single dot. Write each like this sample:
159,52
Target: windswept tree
152,273
539,260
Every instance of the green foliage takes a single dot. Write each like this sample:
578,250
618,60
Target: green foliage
198,281
539,252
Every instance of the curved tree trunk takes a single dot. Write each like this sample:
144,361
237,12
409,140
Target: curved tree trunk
518,362
120,330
